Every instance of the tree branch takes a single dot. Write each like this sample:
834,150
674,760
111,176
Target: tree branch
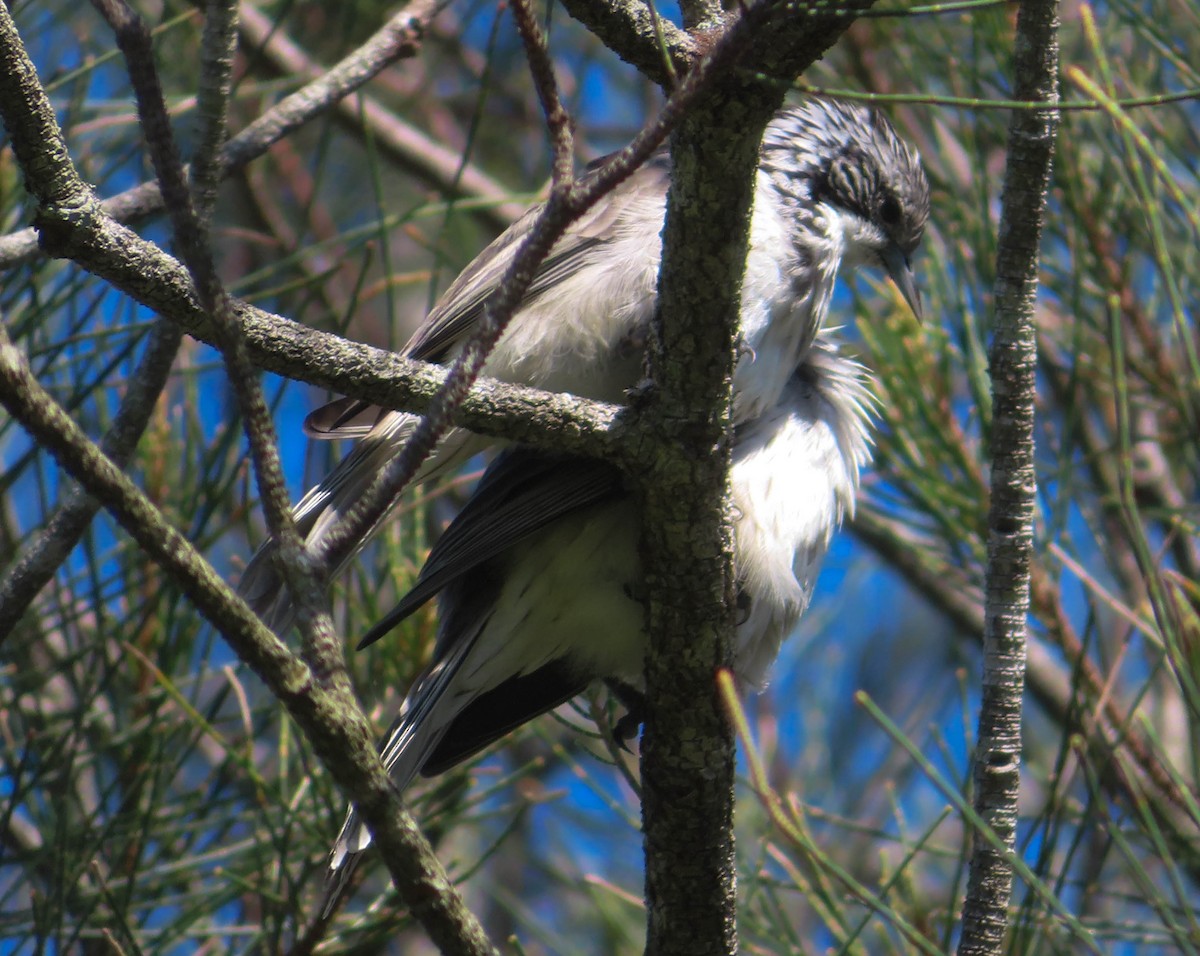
330,718
1013,476
634,31
687,754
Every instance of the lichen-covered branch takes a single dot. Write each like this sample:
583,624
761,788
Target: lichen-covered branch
1013,478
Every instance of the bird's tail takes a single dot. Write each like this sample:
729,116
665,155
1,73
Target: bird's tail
338,878
425,716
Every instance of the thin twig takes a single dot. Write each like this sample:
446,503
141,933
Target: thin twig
212,102
191,238
558,121
398,38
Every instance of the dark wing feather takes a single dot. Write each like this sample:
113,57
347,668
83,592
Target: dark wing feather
520,493
492,715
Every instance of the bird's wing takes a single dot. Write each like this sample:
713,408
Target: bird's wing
461,306
455,317
520,493
505,707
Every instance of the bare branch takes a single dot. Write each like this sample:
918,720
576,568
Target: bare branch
191,237
1013,476
633,30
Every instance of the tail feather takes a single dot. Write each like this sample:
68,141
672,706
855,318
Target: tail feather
338,878
425,716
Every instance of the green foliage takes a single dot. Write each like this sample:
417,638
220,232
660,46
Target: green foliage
153,797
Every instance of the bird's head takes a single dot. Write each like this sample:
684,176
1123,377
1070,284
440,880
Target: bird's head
847,170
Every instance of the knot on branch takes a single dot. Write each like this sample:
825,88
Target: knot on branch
59,224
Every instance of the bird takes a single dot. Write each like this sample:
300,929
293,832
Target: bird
539,581
836,189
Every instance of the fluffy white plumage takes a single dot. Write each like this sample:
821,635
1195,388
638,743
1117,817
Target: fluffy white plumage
532,610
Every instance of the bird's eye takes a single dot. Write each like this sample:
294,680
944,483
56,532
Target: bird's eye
889,212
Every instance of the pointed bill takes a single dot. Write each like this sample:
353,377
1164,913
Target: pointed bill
900,269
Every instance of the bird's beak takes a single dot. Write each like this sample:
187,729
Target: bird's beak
900,270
